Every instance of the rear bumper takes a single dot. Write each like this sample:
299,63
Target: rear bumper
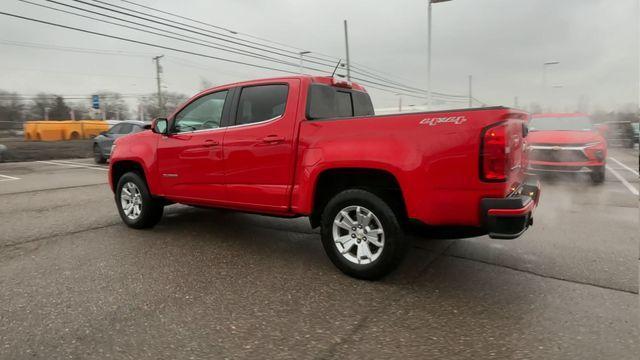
508,218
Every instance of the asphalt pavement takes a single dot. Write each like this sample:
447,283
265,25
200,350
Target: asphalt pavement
76,283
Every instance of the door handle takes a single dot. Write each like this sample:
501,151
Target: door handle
273,139
211,143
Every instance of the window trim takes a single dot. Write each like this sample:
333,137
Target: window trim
236,105
224,118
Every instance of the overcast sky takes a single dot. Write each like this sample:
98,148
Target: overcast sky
502,43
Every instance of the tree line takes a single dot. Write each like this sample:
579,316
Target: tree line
16,108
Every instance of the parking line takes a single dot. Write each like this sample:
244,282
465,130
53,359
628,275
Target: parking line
8,178
624,166
73,165
79,163
624,181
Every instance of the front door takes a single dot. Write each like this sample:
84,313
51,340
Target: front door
190,158
259,146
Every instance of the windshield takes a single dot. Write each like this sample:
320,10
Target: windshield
579,123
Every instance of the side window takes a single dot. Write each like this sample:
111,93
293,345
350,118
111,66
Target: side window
126,128
116,129
260,103
203,113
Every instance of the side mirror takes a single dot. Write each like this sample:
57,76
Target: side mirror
160,126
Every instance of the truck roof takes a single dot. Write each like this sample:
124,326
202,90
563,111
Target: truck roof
327,80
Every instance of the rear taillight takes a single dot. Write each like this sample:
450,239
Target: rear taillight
493,153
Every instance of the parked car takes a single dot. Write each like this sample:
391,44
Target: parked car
566,143
620,133
311,146
103,142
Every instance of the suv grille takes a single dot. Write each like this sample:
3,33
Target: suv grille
551,155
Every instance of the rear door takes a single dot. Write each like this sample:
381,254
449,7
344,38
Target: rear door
190,158
259,145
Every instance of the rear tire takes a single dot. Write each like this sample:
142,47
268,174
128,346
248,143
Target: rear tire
598,174
137,208
377,245
98,157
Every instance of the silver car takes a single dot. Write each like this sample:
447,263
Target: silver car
103,142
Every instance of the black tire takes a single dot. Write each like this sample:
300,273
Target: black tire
598,174
395,243
151,208
98,157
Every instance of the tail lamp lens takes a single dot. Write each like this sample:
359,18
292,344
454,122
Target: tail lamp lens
493,155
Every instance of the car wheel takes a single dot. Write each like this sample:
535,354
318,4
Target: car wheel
98,157
598,174
137,208
361,235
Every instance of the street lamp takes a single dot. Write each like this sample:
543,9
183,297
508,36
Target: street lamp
544,78
430,2
302,53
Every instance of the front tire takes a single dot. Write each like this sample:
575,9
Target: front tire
98,156
361,235
598,174
137,208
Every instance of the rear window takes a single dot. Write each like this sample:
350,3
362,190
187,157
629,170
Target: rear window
327,102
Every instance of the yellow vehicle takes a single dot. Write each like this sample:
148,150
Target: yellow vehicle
63,130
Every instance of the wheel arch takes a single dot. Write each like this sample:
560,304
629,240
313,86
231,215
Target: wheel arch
380,182
122,167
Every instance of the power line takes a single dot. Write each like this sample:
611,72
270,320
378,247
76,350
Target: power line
237,51
223,47
293,54
70,49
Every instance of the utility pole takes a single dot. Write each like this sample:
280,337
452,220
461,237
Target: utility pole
346,43
470,90
158,81
430,2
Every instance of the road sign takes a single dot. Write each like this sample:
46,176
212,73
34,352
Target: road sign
95,101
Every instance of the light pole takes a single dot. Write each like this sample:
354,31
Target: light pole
302,54
544,78
430,2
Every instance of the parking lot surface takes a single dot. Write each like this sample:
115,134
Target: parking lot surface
77,283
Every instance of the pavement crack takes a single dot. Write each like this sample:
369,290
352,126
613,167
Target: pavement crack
540,275
52,189
28,241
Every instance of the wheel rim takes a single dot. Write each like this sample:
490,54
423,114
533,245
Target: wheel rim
358,235
131,200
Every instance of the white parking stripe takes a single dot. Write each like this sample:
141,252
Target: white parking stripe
624,166
7,178
72,165
624,181
79,163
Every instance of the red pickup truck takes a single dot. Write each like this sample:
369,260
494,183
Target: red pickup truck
312,146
